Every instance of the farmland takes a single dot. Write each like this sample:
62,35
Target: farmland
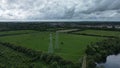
73,46
10,58
100,32
17,32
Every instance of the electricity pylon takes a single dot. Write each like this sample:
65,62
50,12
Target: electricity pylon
57,41
50,49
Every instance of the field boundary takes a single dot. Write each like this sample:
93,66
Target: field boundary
2,35
94,35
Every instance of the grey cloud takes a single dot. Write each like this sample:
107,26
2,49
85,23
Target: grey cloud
59,9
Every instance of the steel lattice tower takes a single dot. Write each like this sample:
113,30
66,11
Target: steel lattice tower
50,49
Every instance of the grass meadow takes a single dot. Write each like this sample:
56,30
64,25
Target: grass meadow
100,32
72,47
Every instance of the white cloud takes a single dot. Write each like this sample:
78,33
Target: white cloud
58,9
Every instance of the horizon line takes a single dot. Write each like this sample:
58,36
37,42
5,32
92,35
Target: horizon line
60,20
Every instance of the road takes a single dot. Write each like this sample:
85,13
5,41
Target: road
84,62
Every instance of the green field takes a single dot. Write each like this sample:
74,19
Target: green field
72,47
100,32
17,32
12,59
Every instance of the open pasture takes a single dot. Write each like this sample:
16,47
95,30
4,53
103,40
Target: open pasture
100,32
71,47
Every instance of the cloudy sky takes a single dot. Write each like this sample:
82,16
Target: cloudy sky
59,10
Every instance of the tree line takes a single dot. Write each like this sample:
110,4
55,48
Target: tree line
98,52
44,26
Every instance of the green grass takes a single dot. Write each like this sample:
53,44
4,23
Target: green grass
17,32
73,47
12,59
101,32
